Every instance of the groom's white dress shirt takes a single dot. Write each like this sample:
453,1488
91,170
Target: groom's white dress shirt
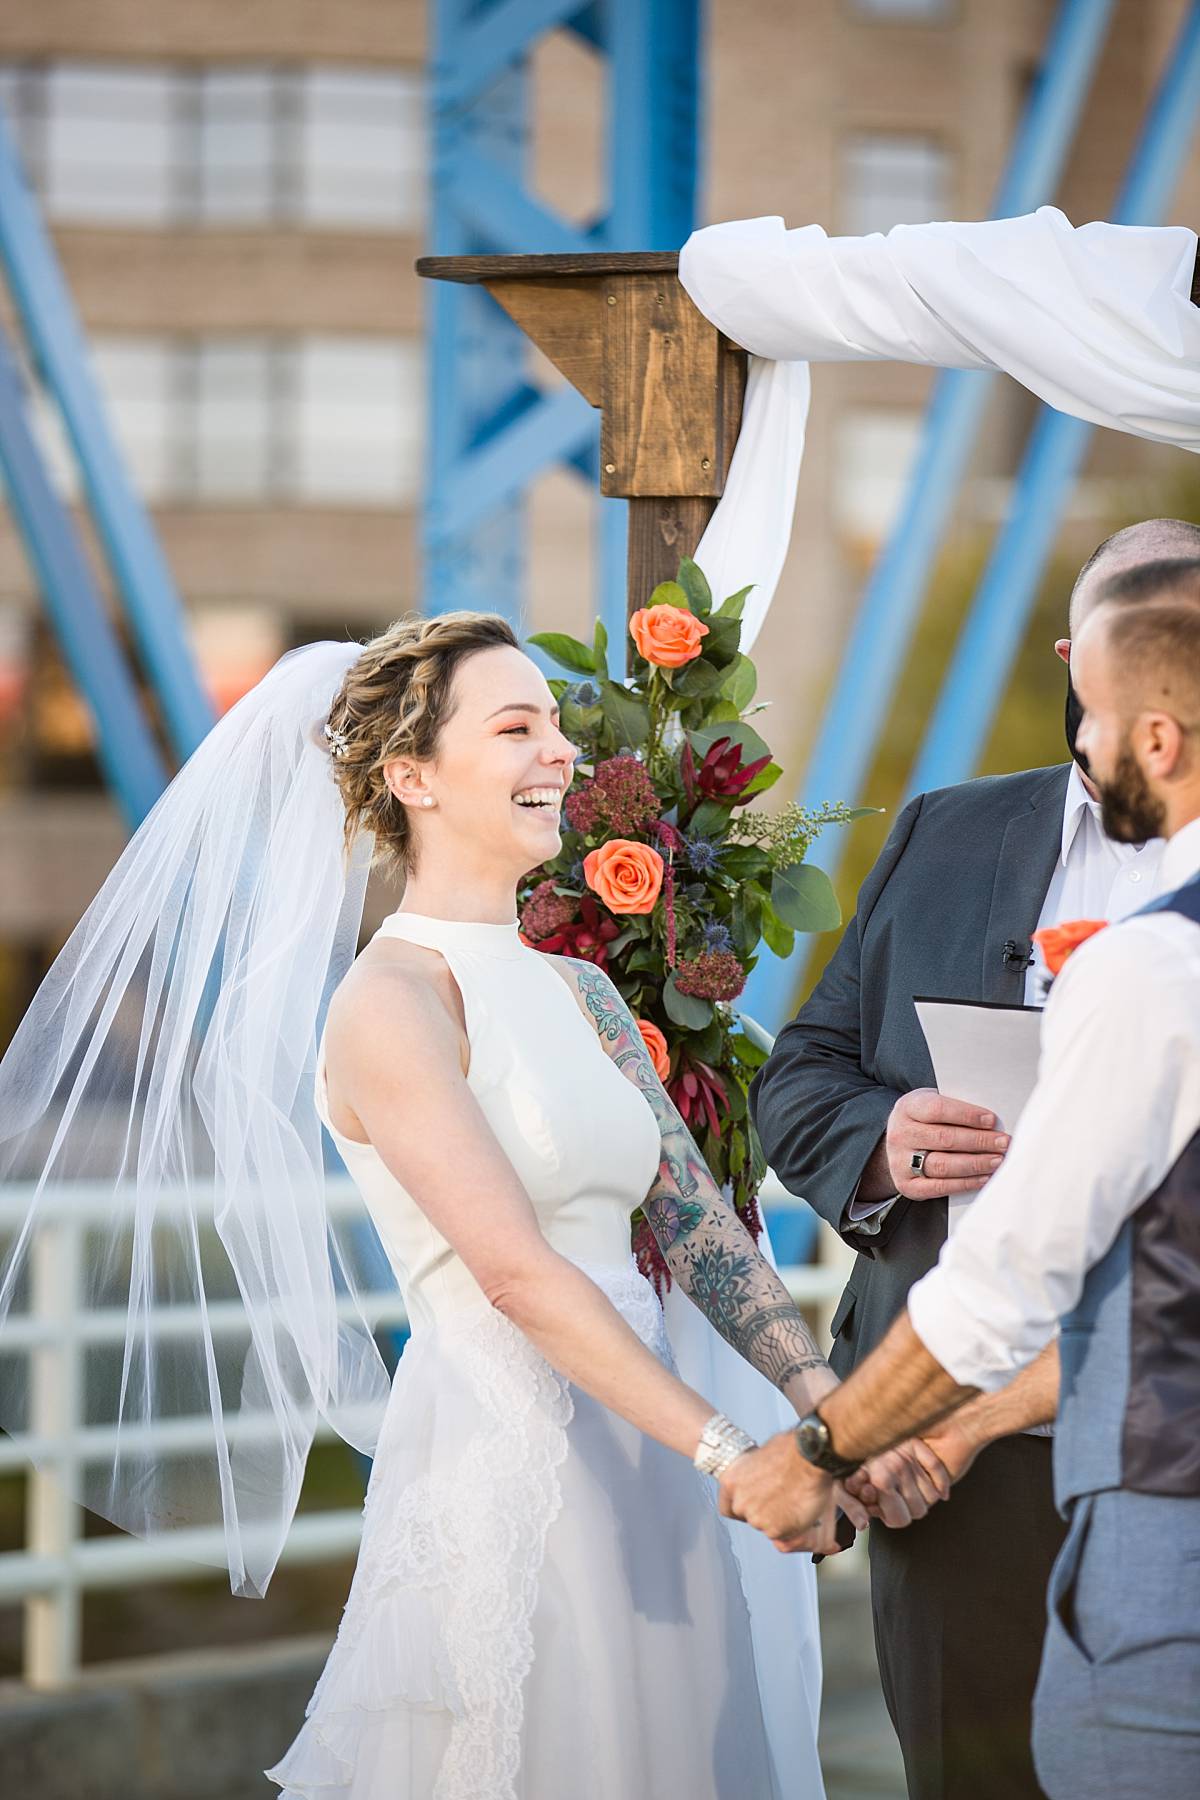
1117,1101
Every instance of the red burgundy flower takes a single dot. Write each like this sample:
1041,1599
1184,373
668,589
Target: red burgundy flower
698,1091
722,775
588,938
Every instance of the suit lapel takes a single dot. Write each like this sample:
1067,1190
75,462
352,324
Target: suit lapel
1031,846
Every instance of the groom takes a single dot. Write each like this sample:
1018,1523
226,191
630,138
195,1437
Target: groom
845,1103
1094,1219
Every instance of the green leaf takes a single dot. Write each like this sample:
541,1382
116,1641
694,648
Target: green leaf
758,1035
745,736
721,644
720,711
565,650
743,862
740,683
803,897
735,605
686,1009
865,812
626,713
557,686
696,678
643,959
710,819
669,593
706,1044
777,936
694,584
745,918
600,649
762,781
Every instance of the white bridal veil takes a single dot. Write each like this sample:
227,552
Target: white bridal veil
167,1064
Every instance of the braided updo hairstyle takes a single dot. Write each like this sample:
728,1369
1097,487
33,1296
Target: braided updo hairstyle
393,702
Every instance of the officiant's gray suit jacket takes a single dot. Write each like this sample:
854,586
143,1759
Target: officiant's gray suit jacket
963,874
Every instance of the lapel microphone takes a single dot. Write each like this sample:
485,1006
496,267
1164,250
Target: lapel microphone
1017,956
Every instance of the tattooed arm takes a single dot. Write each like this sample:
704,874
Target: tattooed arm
704,1243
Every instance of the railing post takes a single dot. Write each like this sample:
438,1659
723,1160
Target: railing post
53,1620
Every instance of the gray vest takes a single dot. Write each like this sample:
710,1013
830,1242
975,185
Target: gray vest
1129,1407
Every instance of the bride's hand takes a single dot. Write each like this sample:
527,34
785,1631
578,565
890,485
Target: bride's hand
783,1496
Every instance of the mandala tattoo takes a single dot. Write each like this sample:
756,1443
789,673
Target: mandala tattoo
705,1245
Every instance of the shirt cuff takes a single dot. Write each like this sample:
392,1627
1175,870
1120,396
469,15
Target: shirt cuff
951,1333
867,1216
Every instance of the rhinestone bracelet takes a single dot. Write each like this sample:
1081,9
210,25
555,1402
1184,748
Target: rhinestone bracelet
721,1442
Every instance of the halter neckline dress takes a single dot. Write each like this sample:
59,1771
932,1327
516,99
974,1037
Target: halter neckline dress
545,1604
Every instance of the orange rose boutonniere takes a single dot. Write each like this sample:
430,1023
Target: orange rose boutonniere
1056,942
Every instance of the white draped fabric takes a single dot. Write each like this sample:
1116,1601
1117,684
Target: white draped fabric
1096,320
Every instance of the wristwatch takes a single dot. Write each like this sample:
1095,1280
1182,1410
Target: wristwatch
816,1446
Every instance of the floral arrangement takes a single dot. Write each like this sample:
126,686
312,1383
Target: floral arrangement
1058,942
665,880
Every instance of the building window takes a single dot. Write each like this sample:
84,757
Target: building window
873,459
361,149
893,178
249,144
359,427
310,421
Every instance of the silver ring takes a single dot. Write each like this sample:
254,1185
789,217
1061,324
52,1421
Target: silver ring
916,1161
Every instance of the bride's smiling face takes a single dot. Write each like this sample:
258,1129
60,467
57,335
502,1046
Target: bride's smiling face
502,767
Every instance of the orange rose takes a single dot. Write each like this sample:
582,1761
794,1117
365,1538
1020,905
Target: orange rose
627,876
1056,942
667,635
656,1044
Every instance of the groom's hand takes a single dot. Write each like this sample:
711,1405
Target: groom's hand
782,1496
963,1148
902,1484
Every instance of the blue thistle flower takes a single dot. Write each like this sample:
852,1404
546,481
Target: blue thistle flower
702,854
583,693
716,936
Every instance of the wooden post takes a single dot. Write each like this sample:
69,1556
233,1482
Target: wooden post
668,385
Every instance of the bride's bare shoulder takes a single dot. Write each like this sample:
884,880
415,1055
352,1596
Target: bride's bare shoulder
394,991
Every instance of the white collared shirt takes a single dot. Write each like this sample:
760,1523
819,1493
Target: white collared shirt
1116,1103
1095,877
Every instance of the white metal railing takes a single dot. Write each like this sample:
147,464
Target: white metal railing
57,1566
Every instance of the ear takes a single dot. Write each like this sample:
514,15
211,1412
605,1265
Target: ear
1160,738
406,781
1062,649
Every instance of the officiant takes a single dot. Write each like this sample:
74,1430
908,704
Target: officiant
1092,1220
849,1119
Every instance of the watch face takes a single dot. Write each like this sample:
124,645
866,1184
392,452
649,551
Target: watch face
813,1437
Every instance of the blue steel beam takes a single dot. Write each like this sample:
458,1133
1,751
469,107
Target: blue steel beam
892,599
58,347
492,436
982,663
125,746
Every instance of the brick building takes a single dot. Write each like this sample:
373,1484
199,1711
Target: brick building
237,194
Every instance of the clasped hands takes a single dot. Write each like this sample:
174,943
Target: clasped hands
776,1491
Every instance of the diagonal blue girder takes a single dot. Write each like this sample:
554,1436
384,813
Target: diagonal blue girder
56,341
125,745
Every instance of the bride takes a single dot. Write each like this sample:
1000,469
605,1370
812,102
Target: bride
545,1601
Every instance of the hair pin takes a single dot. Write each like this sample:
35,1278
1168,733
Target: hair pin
339,743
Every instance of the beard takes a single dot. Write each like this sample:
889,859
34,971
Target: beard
1129,812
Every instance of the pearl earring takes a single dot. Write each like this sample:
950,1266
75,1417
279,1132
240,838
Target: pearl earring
428,800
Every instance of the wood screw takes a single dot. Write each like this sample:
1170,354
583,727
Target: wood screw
706,462
610,468
612,299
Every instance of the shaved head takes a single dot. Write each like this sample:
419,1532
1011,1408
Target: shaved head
1149,541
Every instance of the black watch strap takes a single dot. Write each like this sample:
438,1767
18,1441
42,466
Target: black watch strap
815,1446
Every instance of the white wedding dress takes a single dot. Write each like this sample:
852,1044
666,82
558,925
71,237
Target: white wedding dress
546,1605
